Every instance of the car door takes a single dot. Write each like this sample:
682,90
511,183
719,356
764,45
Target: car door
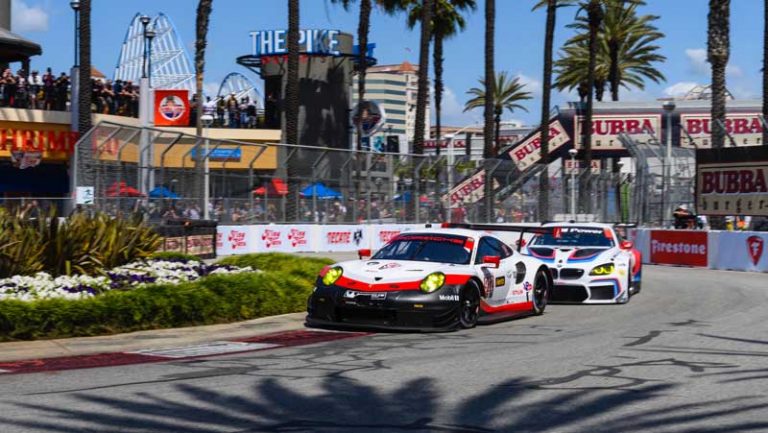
496,281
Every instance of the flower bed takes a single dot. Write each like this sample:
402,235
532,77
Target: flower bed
137,274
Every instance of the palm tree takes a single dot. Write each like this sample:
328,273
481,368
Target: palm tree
447,21
292,105
422,97
204,8
85,90
595,17
509,92
490,80
363,28
718,51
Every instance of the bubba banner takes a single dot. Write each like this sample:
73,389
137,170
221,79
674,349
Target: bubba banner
696,132
527,153
679,247
171,107
606,129
471,190
732,181
742,251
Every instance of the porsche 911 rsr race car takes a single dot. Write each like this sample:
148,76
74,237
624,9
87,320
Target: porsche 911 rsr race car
437,279
590,263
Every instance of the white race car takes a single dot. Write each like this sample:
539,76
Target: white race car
590,262
436,279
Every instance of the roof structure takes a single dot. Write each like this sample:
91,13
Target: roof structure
171,65
14,48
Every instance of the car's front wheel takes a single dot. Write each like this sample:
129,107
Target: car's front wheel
541,291
469,306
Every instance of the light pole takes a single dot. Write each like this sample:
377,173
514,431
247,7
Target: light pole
666,180
144,19
73,101
75,5
573,153
207,120
150,35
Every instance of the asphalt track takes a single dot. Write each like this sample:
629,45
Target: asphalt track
689,354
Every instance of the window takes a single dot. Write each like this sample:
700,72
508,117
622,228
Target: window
489,247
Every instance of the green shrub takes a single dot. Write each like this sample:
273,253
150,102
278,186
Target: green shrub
305,268
214,299
173,255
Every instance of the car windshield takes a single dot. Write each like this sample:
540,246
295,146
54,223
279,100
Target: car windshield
428,248
574,237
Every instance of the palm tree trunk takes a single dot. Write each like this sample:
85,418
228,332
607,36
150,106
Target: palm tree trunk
363,27
718,50
422,97
490,79
549,37
292,107
613,74
438,60
595,15
201,42
765,72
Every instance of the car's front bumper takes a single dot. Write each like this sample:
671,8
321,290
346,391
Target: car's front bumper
410,310
589,291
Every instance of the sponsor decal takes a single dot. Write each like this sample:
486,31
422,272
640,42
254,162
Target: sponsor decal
517,292
607,128
745,128
271,238
527,153
236,239
527,286
448,297
387,235
297,238
335,238
679,248
390,266
171,107
755,248
500,281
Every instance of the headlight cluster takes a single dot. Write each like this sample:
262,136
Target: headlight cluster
432,282
332,275
605,269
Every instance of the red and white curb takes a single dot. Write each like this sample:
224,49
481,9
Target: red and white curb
216,348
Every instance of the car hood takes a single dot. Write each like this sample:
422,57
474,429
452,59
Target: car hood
395,271
572,255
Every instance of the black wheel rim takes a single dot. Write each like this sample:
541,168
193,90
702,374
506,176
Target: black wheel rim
470,304
540,292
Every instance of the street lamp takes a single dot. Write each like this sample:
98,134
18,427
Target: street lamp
149,34
144,19
573,153
75,5
666,180
207,120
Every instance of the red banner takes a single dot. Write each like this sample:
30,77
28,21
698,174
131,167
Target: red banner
171,107
687,248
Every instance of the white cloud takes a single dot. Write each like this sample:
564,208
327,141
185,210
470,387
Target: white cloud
531,84
679,89
697,62
26,18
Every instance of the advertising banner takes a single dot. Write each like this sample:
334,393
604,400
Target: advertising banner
696,132
171,107
743,251
283,238
606,129
527,153
343,238
382,234
732,181
471,190
679,247
235,240
570,165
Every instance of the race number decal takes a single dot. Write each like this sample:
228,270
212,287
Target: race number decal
488,283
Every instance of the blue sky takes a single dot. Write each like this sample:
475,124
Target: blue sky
519,41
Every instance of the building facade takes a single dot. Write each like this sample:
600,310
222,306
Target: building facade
394,88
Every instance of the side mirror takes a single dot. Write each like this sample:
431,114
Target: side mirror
626,245
364,254
493,261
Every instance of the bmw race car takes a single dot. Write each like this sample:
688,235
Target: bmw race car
590,263
437,279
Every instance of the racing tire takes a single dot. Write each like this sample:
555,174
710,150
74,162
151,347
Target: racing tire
469,306
541,291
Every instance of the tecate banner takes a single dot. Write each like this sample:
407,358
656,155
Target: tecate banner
607,128
343,238
742,251
679,247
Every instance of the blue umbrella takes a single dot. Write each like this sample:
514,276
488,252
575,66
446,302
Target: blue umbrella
319,190
162,192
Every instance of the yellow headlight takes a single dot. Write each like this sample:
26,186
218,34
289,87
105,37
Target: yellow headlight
432,282
332,275
605,269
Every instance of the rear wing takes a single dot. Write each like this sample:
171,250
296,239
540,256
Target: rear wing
502,230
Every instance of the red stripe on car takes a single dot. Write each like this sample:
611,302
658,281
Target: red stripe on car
523,306
349,283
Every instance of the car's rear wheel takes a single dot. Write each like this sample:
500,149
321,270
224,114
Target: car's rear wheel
469,306
541,292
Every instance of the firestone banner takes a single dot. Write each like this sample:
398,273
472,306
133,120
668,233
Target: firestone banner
606,129
746,129
687,248
171,107
527,153
743,251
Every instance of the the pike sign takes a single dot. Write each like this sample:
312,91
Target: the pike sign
275,42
